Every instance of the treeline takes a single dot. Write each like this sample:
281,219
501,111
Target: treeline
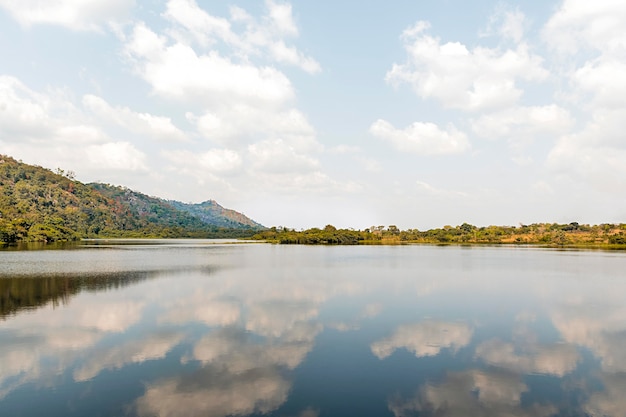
549,234
329,235
39,205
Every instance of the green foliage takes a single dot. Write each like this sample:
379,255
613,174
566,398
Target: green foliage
327,236
39,205
572,234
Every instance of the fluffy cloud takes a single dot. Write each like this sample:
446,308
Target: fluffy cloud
72,14
278,157
422,138
579,23
213,161
460,78
30,116
178,72
118,156
594,155
242,123
523,123
222,69
508,24
602,79
43,125
157,127
427,338
263,36
593,37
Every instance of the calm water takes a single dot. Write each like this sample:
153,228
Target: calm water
189,328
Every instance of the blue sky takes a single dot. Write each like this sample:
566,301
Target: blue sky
419,113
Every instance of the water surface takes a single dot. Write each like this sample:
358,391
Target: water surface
195,328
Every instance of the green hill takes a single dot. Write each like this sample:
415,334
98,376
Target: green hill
212,213
37,204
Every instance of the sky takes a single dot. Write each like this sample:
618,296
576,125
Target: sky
414,113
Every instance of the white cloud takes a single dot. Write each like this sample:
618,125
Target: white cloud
596,154
523,123
241,123
48,126
579,23
119,156
264,37
73,14
593,38
276,156
435,191
303,183
461,78
281,17
200,25
507,24
243,105
157,127
178,72
212,161
422,138
30,116
603,79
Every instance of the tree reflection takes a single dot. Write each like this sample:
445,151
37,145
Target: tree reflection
31,292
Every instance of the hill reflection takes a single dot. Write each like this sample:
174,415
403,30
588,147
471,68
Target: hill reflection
32,292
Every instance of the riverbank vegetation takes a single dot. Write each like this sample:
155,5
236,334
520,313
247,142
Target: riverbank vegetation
547,234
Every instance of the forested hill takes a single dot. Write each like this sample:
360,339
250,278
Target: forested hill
37,204
211,212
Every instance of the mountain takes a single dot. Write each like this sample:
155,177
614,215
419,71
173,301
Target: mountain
212,213
37,204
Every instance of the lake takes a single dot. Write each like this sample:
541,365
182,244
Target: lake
203,328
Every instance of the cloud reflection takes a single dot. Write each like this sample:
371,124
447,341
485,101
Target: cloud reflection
426,338
153,347
240,374
471,393
211,392
557,359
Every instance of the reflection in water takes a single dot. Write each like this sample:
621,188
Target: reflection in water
556,359
312,331
210,392
471,393
152,347
28,292
424,339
